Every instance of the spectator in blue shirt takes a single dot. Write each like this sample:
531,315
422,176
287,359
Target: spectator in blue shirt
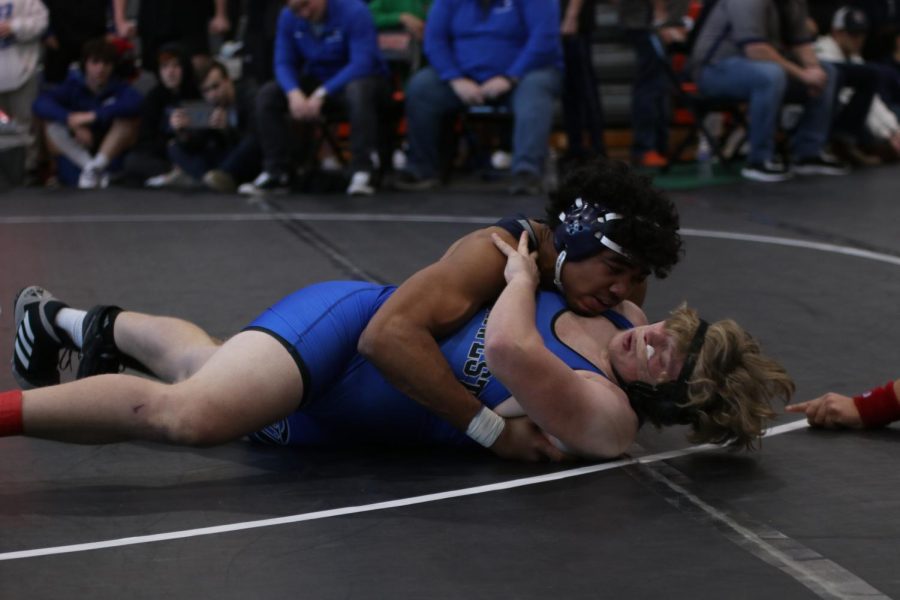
486,52
326,56
92,118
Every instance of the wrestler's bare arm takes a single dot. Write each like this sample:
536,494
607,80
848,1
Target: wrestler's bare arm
401,338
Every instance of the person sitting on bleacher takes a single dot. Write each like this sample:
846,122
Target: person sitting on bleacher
216,141
91,118
326,56
865,129
761,52
21,26
148,162
486,52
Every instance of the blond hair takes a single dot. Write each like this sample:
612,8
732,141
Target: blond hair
733,383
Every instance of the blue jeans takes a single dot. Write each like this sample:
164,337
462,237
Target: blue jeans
766,86
533,101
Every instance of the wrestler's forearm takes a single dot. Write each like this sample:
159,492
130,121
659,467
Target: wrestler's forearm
511,329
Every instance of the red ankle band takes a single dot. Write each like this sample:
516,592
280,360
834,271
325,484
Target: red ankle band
878,406
11,412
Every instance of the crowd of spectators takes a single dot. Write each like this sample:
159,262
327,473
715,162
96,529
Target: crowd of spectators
70,75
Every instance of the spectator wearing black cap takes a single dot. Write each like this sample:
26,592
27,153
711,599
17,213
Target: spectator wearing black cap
862,120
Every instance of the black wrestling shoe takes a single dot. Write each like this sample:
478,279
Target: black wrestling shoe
98,349
35,360
822,164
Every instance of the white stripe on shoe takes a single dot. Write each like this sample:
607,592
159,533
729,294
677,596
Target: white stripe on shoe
23,341
23,358
28,331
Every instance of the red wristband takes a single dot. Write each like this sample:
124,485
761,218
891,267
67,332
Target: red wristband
878,406
11,412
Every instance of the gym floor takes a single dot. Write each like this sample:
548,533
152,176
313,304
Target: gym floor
810,267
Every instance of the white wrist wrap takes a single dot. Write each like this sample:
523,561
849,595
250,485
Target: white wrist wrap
486,427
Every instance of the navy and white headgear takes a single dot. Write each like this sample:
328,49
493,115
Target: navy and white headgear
584,231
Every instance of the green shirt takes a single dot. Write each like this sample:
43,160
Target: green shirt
387,12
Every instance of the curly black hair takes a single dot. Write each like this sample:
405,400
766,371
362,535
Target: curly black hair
649,230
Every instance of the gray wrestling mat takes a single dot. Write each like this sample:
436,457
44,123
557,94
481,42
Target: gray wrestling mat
811,267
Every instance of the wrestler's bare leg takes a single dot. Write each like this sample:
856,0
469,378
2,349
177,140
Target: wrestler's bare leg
172,349
242,386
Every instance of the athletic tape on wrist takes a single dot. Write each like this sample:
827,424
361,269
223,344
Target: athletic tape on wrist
11,413
878,406
486,427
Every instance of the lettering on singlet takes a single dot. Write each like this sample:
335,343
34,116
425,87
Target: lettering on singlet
475,371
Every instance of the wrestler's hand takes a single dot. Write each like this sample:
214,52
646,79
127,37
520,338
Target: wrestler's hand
830,410
521,439
520,263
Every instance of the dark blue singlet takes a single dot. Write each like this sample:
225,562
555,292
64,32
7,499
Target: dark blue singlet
346,400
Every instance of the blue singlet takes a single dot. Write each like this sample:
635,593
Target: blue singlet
346,400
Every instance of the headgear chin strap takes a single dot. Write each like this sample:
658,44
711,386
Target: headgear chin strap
583,231
663,403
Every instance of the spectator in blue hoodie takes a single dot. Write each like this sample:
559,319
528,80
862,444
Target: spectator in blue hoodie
92,118
326,56
486,52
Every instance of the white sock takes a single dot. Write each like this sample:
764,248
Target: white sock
71,320
100,161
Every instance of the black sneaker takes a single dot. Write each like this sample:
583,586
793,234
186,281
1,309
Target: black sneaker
410,182
823,164
98,350
36,352
768,172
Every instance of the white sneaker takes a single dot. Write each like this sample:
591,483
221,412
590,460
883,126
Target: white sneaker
89,178
501,160
360,184
398,159
330,163
164,180
266,183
